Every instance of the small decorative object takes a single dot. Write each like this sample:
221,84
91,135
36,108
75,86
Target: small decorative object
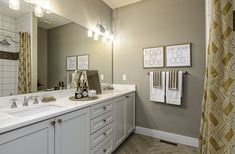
153,57
83,62
178,55
91,93
47,99
71,63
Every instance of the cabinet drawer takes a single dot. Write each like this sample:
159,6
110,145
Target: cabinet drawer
105,147
100,135
99,109
101,121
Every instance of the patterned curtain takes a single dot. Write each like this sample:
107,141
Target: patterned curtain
217,108
24,81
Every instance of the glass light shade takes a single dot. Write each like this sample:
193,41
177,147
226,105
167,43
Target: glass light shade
14,4
89,33
29,1
47,7
96,36
38,11
104,39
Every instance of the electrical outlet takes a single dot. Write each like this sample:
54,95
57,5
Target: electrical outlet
102,77
124,77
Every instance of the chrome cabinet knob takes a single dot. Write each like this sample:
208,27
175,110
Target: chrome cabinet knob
13,103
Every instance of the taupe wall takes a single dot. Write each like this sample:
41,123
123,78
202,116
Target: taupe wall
155,23
84,12
42,57
70,40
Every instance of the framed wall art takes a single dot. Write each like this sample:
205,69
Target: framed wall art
83,62
153,57
71,63
178,55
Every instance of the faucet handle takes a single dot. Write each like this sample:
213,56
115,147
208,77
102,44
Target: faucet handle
35,100
25,102
13,103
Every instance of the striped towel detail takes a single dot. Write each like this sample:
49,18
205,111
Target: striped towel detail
157,75
173,80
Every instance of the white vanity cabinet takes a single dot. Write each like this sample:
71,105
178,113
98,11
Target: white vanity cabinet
72,133
66,134
124,118
34,139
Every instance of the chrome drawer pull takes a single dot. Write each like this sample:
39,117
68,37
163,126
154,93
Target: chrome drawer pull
127,96
53,123
104,150
104,120
104,133
59,120
104,107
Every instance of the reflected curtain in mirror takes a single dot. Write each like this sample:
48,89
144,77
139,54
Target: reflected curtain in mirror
24,82
216,133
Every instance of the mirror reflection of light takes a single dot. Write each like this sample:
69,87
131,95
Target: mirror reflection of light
38,11
14,4
90,33
96,36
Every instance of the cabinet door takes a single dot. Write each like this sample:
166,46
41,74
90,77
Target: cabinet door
130,113
119,121
72,133
33,139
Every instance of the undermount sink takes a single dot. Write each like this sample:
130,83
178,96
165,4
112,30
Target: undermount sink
33,111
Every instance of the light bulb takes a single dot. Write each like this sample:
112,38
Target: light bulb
38,11
111,37
14,4
96,36
89,33
47,7
29,1
104,39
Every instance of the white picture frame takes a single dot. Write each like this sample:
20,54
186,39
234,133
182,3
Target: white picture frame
179,55
153,57
71,63
83,62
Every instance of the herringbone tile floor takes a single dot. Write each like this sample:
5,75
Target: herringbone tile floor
139,144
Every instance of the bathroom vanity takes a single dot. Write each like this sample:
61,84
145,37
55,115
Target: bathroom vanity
67,127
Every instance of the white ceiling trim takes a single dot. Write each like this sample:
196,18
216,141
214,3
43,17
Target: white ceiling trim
119,3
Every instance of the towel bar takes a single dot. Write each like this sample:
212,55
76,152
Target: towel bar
185,73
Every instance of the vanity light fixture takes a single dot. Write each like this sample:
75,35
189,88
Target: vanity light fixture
38,11
14,4
41,6
100,30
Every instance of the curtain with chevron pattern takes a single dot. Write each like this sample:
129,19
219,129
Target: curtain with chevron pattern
24,79
216,133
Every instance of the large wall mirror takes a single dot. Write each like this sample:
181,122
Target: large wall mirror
52,40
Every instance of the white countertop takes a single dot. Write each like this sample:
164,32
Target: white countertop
63,105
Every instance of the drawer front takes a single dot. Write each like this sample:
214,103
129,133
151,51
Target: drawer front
101,121
102,108
105,147
100,135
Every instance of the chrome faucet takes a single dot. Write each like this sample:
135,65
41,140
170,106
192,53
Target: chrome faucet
26,100
13,103
35,100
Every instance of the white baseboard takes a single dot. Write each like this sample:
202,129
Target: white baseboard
175,138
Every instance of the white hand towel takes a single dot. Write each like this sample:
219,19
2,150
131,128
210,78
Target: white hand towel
157,94
174,96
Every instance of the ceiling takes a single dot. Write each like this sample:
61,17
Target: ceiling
48,21
119,3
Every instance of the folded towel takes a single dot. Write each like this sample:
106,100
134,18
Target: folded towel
157,94
173,96
157,79
173,80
